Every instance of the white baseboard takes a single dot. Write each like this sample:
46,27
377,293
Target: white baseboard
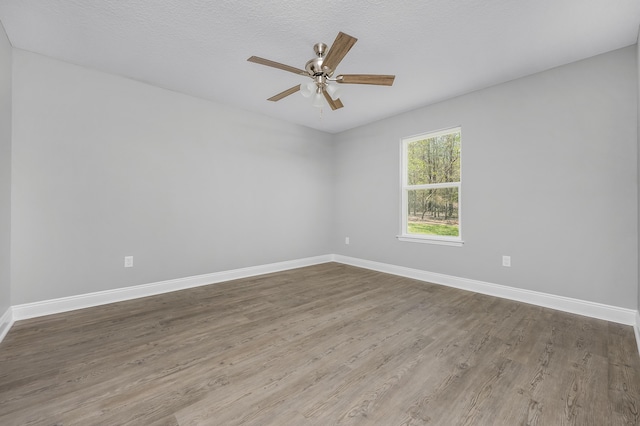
64,304
6,321
576,306
561,303
636,328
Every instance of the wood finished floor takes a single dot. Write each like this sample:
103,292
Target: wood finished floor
323,345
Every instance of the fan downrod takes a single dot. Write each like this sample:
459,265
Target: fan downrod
320,49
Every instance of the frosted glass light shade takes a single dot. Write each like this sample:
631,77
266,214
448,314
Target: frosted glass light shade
318,100
308,89
334,91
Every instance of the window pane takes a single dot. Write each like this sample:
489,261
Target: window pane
433,212
434,160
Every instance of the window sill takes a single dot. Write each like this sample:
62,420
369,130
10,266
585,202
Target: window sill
429,240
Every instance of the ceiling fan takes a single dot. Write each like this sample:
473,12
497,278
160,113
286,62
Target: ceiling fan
321,69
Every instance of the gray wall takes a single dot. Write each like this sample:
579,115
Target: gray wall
106,167
5,171
638,162
549,178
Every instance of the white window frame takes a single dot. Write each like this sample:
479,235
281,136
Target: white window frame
405,188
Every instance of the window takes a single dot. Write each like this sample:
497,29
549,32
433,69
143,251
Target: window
431,188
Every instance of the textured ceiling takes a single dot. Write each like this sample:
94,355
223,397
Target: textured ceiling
436,48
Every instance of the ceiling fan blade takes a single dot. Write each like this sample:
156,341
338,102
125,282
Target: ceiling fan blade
380,80
342,44
284,94
337,104
278,65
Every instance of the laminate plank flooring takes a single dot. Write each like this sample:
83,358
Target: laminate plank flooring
329,344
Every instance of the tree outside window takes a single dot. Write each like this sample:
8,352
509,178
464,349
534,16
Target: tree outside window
431,186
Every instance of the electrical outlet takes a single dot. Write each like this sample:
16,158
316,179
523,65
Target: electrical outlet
128,261
506,261
346,240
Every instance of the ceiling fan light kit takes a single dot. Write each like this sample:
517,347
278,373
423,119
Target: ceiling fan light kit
334,91
321,69
308,89
317,101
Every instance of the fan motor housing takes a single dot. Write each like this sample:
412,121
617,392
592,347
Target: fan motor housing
314,66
